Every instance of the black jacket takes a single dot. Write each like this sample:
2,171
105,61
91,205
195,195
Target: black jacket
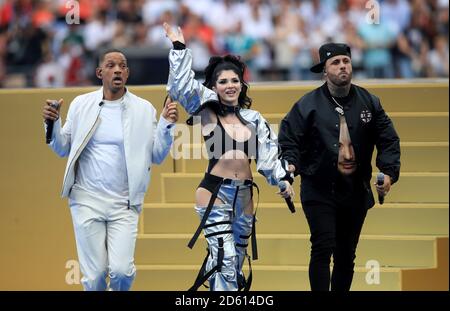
309,139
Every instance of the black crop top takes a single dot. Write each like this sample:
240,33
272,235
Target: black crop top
218,142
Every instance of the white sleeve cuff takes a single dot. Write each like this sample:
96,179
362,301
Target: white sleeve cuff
165,124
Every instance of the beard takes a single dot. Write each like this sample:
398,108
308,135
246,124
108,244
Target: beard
340,81
116,88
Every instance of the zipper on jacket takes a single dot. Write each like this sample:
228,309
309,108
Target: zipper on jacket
123,117
83,144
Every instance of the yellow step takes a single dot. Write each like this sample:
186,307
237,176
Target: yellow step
389,218
423,157
398,97
289,249
415,157
410,126
433,278
154,193
265,278
412,188
275,97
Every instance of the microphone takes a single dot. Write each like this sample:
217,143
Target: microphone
282,186
49,123
380,182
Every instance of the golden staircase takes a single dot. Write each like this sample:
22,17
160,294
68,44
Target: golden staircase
404,236
405,240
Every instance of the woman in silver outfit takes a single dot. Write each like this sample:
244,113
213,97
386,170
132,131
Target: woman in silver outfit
233,134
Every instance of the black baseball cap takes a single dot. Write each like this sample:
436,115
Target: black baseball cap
328,51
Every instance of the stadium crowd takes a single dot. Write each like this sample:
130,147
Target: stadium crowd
44,44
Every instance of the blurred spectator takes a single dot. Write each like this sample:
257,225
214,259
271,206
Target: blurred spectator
237,43
198,7
152,11
129,11
156,35
285,37
72,62
256,21
304,53
140,38
200,38
50,73
378,40
15,13
352,38
121,37
340,28
223,16
413,46
99,32
396,13
438,58
314,13
424,18
3,43
442,18
43,15
25,45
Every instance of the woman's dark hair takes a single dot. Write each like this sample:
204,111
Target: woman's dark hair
217,64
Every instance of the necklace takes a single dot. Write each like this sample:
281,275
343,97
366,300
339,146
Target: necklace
339,107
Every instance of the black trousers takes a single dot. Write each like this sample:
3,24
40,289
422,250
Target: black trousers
335,230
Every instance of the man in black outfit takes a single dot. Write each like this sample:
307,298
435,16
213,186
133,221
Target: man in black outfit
328,138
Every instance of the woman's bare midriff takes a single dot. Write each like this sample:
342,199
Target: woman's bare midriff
232,165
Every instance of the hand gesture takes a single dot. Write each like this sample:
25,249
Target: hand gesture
174,35
385,187
288,192
51,109
170,110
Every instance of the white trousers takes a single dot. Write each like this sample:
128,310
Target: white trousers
105,233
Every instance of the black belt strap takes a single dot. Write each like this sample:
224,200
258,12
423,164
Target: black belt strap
248,282
198,281
220,255
225,222
202,277
254,244
241,245
234,201
205,216
217,233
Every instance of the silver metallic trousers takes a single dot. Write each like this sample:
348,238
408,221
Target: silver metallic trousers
229,228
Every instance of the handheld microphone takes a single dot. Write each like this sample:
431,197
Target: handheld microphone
282,186
49,123
380,182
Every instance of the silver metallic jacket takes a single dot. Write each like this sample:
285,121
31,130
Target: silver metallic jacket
191,94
